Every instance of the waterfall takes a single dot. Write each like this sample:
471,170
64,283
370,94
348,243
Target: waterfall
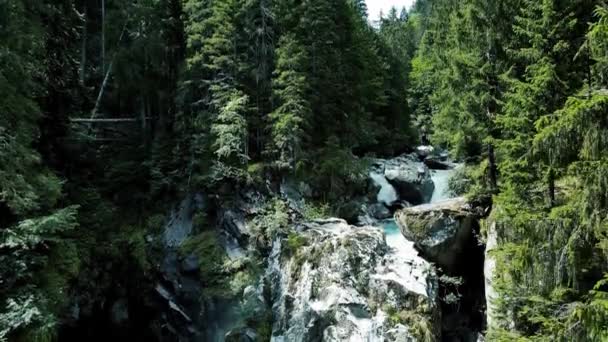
387,194
441,178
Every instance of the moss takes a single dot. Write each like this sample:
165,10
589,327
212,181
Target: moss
255,173
417,224
262,325
155,223
211,257
200,221
316,211
419,326
295,241
221,276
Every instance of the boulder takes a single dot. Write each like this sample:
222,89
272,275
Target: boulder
441,231
335,282
411,179
436,163
379,211
424,151
233,223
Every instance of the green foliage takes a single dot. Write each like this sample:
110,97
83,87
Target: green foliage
22,313
289,121
295,241
33,307
211,257
230,133
272,221
421,327
220,276
313,211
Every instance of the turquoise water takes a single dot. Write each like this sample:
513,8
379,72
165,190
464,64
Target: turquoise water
394,239
391,228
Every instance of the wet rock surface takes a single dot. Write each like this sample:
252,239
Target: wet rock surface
410,177
440,231
446,234
343,283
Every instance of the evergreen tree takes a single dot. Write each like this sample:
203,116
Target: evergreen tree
289,121
32,220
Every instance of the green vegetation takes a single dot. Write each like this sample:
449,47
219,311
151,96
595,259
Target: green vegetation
313,212
420,327
517,87
112,111
273,220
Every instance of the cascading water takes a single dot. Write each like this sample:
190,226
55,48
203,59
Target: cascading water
387,194
457,325
441,178
394,238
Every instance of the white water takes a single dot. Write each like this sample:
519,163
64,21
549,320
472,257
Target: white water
387,194
405,271
406,267
441,178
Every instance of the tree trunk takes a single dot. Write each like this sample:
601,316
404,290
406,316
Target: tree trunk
104,84
493,170
551,187
103,36
83,60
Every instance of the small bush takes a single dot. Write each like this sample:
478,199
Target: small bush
273,220
211,257
316,212
294,242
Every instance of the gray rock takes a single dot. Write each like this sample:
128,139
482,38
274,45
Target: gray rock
436,163
411,179
190,264
234,224
379,211
335,286
441,231
179,227
400,333
167,296
424,151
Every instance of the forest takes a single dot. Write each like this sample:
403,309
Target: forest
120,118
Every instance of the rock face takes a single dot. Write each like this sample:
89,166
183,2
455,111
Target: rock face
488,271
336,282
435,163
411,179
441,231
424,151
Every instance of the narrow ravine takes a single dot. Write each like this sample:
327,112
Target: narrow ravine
461,287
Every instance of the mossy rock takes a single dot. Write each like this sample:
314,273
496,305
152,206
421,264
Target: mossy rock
440,231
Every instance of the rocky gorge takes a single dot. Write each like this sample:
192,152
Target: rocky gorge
417,277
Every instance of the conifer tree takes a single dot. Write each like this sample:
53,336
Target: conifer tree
289,121
31,219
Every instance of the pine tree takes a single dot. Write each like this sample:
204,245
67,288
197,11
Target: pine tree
30,194
290,120
211,91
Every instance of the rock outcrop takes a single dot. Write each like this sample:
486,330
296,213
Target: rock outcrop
410,177
336,282
441,231
488,271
